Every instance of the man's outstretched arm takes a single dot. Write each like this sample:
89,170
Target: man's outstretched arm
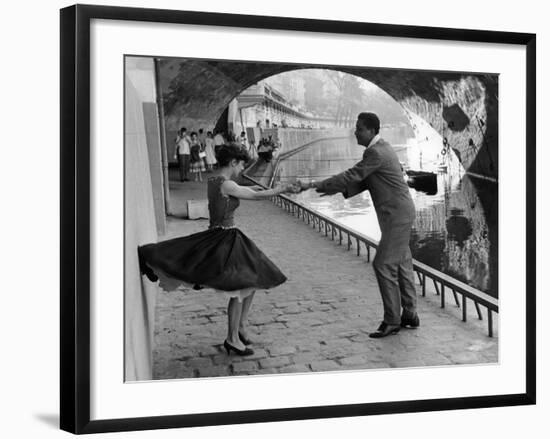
349,181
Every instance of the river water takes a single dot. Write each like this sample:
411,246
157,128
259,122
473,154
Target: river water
455,230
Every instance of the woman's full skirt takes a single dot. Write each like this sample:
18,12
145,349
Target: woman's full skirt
218,258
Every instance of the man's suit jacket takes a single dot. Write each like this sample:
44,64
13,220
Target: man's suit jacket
380,172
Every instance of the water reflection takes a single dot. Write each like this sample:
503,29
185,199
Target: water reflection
454,231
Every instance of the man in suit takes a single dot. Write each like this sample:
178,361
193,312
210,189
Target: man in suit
380,172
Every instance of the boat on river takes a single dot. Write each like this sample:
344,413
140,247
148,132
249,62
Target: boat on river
422,181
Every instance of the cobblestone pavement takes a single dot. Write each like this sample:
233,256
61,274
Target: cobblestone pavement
318,320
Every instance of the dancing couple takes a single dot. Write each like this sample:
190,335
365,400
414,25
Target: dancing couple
224,259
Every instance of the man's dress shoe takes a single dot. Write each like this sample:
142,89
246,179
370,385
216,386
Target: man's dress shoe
384,330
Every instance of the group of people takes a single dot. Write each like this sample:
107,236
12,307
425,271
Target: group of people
266,148
223,258
195,153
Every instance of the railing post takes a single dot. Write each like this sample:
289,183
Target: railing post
358,246
456,298
349,241
368,252
436,287
442,295
464,314
423,284
340,235
478,310
490,321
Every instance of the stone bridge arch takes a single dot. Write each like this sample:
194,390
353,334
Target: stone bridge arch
461,106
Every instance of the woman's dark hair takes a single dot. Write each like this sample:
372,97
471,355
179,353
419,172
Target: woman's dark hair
226,153
370,121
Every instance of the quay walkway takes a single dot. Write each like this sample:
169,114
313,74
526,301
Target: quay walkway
318,320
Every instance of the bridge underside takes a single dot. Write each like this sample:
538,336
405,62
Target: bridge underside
461,106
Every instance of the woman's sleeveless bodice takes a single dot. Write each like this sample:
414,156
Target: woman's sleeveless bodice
220,207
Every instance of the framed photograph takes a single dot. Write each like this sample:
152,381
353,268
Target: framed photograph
317,213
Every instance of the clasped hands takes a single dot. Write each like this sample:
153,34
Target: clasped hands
299,186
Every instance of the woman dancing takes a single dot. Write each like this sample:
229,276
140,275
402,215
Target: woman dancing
222,257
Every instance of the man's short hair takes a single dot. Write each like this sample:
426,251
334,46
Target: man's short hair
370,121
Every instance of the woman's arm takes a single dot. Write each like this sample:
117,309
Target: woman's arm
231,188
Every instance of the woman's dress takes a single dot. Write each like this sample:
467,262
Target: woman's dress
209,150
221,257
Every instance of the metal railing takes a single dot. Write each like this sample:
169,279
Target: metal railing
425,273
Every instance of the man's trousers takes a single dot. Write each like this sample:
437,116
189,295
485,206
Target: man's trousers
394,272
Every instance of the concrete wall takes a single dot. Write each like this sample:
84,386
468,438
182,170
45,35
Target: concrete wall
152,132
140,223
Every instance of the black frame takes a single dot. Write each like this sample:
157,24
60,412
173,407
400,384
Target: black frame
75,217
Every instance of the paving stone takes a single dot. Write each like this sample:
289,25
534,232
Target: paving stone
260,319
368,365
281,350
325,365
360,338
294,309
208,351
221,359
436,359
273,326
274,362
268,371
334,353
245,366
407,363
295,368
355,360
284,304
213,371
294,324
196,307
466,358
305,358
285,318
198,363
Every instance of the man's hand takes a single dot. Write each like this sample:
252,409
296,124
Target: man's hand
304,185
325,191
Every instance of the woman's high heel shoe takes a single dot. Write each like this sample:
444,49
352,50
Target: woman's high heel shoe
242,353
245,340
